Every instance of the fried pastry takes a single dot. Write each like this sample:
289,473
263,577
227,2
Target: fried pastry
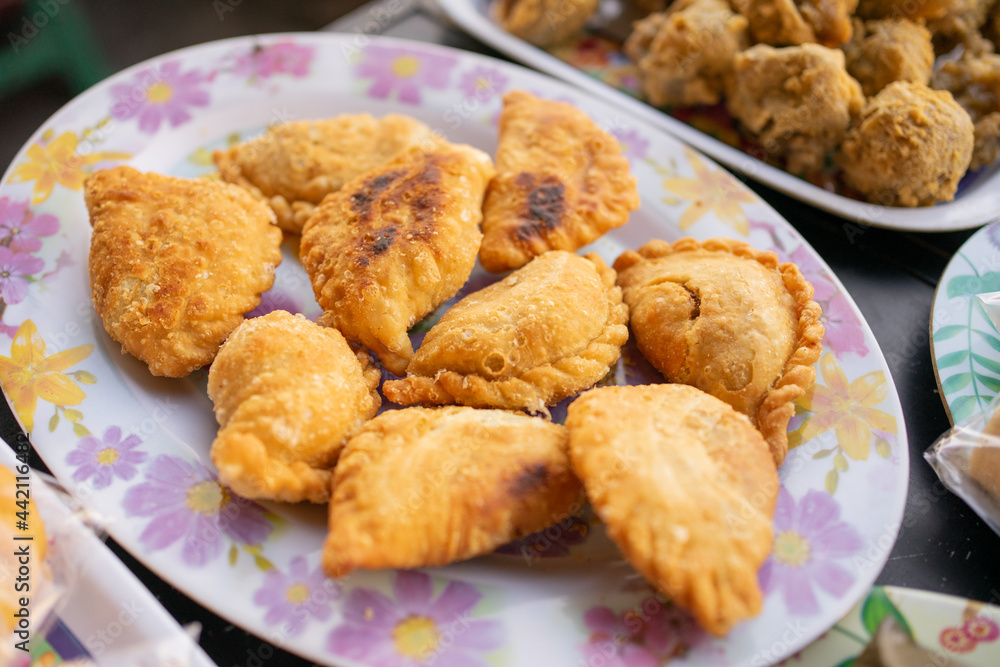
544,23
561,183
910,148
796,102
685,53
794,22
395,243
545,332
174,263
424,487
729,320
293,166
287,393
925,9
888,50
686,488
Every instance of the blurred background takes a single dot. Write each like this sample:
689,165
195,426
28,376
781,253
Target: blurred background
51,50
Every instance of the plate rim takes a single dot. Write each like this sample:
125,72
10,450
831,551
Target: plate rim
841,605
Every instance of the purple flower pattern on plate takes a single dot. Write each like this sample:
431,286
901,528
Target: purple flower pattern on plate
262,62
843,328
20,228
646,635
276,300
404,71
160,93
482,83
14,267
633,145
415,628
184,502
100,461
809,538
294,598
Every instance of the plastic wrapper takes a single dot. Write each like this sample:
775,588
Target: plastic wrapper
967,461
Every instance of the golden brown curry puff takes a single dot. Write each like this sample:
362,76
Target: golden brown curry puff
729,320
561,183
395,243
293,166
545,332
686,487
544,22
288,393
175,263
424,487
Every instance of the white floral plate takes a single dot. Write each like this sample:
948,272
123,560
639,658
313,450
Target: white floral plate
136,447
965,346
606,73
959,631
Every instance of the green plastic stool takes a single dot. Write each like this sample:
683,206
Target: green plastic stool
50,38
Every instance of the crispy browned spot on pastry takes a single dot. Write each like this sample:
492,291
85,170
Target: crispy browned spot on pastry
729,320
686,487
792,22
424,487
910,147
544,22
796,102
547,331
561,183
175,263
685,53
395,243
292,166
288,393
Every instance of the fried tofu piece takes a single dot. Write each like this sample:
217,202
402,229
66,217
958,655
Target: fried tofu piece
288,394
545,332
544,23
561,183
293,166
728,319
796,102
794,22
395,243
887,50
423,487
685,53
686,488
910,147
175,263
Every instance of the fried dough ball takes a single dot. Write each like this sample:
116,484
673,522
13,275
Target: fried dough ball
883,51
792,22
909,148
544,23
975,84
685,53
987,144
911,9
796,102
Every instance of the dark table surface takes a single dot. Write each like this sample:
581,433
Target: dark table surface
942,545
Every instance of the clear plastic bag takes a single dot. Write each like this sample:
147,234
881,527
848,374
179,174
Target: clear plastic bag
967,461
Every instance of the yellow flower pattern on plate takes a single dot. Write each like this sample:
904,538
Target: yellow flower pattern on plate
57,161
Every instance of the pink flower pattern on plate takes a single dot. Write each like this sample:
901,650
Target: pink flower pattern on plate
809,539
404,71
293,599
20,228
159,93
634,146
262,62
183,501
103,460
14,267
646,635
415,628
482,83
